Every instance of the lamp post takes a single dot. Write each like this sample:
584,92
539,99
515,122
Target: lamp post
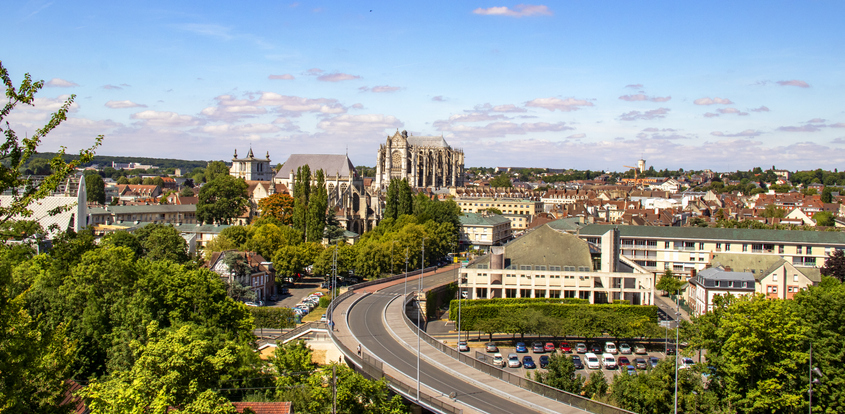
677,335
406,271
419,312
460,297
818,373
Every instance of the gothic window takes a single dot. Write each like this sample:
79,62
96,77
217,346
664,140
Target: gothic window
330,190
396,160
343,188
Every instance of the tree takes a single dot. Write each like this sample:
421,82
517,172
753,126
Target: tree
758,347
596,387
174,369
399,199
15,153
215,169
773,210
187,192
834,266
301,194
560,374
163,242
493,210
501,180
124,239
668,283
278,205
318,203
95,189
266,240
222,199
135,181
123,181
824,218
147,181
238,235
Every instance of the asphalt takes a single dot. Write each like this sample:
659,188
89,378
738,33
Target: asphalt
376,321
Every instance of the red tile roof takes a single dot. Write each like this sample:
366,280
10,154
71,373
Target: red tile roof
264,407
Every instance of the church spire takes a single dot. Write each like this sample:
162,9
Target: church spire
250,153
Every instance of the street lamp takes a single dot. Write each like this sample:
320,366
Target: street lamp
406,271
419,311
818,373
677,335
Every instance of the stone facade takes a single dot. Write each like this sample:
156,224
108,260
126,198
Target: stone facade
423,161
251,168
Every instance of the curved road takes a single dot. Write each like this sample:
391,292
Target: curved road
366,322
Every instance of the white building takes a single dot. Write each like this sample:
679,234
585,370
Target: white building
251,168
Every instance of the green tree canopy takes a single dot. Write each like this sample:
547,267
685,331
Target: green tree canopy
222,199
501,180
95,189
215,169
163,242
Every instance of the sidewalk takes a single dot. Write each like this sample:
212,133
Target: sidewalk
533,401
669,306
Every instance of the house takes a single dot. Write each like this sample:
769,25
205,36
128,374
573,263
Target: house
774,277
546,263
260,276
716,281
482,230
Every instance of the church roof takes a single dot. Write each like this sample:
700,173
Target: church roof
331,165
427,141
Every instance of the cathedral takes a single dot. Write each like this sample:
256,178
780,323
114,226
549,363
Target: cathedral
423,161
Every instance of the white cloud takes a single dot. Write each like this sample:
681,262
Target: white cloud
746,133
576,136
336,77
760,109
643,97
714,101
731,111
658,113
635,86
794,82
60,83
123,104
379,89
563,105
520,10
163,118
358,124
286,76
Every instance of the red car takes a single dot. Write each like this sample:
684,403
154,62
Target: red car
549,347
565,347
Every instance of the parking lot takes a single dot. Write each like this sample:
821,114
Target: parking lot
585,372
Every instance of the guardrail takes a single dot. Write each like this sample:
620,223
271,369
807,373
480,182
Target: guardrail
392,278
374,368
299,330
567,398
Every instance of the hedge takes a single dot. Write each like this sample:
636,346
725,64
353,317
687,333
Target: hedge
273,317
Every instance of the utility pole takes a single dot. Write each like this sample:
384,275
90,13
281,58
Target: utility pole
419,313
677,350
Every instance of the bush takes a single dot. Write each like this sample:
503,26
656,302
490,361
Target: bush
273,317
325,301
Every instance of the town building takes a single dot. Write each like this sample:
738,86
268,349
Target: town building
775,277
260,277
546,263
64,209
424,161
482,230
685,250
519,211
712,282
151,213
251,168
355,208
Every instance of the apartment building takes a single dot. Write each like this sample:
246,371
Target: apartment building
716,281
546,263
482,230
685,250
155,213
518,210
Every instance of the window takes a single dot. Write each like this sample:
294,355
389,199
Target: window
554,294
525,293
480,293
718,246
780,249
583,269
794,278
774,277
666,245
744,247
554,268
524,267
510,293
700,246
539,293
727,247
809,249
539,267
799,249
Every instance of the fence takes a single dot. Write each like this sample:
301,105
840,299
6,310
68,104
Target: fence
374,369
517,380
301,329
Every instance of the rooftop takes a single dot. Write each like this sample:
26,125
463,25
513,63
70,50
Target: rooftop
331,164
545,246
475,219
707,233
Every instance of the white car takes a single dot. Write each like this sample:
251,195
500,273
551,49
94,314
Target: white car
608,361
610,348
463,346
624,349
592,360
686,362
513,361
498,360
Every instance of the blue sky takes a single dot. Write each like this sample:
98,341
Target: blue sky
720,85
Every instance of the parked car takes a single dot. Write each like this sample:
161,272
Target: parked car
520,347
640,363
608,361
595,348
670,349
319,294
463,346
544,361
491,347
639,350
581,348
610,348
498,360
624,349
623,361
549,347
538,348
323,318
250,304
653,361
631,370
565,347
513,361
686,362
576,360
592,360
528,362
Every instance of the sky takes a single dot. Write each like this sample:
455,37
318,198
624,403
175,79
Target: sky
584,85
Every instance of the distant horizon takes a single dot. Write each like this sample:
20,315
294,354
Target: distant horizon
593,86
